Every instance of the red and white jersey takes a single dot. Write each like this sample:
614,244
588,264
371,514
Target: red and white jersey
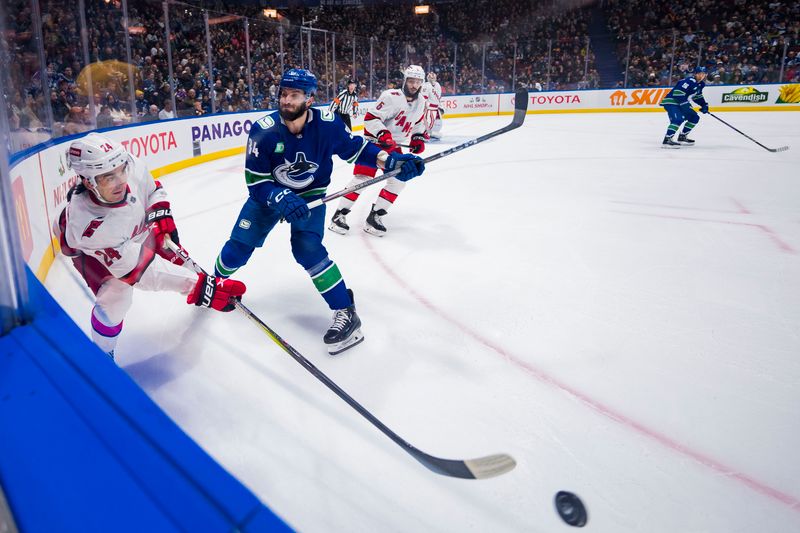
115,234
434,91
394,113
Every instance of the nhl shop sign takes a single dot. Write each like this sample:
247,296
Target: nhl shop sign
745,94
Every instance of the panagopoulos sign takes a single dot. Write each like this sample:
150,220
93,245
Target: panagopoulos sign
638,97
221,130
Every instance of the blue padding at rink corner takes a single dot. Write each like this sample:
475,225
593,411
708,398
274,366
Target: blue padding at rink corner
83,448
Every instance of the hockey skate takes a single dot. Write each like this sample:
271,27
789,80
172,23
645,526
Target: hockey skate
374,224
669,143
345,332
684,139
339,222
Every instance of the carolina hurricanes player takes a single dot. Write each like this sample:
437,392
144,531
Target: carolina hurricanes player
398,116
433,117
114,227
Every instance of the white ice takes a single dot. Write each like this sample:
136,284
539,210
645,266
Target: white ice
623,320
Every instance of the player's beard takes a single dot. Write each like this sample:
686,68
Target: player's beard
410,95
289,116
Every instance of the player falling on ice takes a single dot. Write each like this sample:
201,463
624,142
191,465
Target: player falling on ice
114,227
399,116
289,163
677,105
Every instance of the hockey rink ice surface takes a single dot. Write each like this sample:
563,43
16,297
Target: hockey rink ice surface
623,320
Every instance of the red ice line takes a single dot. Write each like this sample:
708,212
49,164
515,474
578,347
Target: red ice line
785,499
770,233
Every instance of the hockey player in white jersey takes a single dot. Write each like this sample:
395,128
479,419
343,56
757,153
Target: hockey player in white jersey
435,112
398,117
114,228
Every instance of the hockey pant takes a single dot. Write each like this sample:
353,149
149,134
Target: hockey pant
386,197
436,130
114,297
250,232
678,114
345,119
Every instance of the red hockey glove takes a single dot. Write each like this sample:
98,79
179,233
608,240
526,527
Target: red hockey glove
159,219
216,293
385,140
417,145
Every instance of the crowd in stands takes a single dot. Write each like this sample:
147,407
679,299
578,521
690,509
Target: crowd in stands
740,42
481,46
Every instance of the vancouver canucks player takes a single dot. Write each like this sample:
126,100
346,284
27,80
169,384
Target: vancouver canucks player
677,105
288,163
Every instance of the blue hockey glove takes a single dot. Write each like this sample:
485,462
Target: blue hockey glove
410,165
704,108
291,207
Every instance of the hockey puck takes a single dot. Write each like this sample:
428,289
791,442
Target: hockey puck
570,508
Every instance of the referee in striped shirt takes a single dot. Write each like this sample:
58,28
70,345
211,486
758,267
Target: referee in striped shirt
346,103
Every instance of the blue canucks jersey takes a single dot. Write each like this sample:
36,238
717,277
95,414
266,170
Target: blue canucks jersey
683,90
277,158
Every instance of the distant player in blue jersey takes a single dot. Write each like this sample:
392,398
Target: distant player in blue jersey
288,163
677,105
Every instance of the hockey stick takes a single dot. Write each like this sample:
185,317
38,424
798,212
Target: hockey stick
780,149
480,468
520,109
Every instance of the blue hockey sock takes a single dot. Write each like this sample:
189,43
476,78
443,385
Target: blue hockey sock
672,129
233,256
330,284
688,127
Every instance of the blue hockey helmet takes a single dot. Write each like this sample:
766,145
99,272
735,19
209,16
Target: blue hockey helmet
698,69
300,78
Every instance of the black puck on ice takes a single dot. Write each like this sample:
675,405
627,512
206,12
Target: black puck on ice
570,508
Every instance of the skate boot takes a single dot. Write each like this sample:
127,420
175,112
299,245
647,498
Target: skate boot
684,139
345,332
374,223
339,222
669,143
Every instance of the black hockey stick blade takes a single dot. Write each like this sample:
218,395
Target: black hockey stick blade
520,110
480,468
743,134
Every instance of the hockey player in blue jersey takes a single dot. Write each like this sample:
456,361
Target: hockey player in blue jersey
677,105
288,163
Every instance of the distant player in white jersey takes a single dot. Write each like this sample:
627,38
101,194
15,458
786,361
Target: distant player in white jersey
398,117
114,228
435,111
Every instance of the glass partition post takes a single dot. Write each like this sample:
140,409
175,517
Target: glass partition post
455,68
250,88
672,56
210,75
628,61
169,84
129,61
84,30
13,283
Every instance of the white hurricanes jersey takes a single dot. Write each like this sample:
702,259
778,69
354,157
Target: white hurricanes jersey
434,91
115,235
394,113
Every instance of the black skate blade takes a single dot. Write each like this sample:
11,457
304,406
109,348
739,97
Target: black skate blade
339,347
373,231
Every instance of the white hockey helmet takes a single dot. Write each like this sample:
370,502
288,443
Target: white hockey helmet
95,154
413,71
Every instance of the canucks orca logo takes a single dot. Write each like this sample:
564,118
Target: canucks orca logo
295,175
